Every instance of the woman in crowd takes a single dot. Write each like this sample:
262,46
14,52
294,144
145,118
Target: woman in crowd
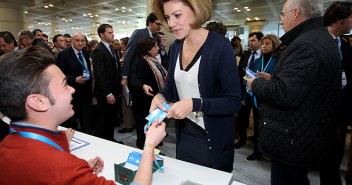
8,42
150,79
203,83
264,66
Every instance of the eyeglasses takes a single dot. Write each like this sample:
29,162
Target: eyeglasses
282,14
158,24
19,40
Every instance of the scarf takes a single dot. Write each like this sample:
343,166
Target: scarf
159,71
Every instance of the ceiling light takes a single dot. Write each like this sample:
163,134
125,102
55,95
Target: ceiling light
63,19
130,10
25,12
238,10
97,15
235,8
91,16
246,7
70,20
46,6
84,14
123,11
248,10
116,8
123,7
51,5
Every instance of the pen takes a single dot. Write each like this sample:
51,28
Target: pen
76,141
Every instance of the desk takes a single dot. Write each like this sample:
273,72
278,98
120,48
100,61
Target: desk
176,171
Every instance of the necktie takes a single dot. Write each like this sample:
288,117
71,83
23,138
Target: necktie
81,59
114,55
338,42
251,62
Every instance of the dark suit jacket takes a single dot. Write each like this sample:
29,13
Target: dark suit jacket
129,68
69,64
107,79
347,90
241,69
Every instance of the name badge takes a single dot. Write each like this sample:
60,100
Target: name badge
86,74
344,80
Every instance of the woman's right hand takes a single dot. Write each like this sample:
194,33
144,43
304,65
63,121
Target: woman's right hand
147,89
157,102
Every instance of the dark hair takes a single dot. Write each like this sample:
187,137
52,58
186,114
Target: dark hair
234,38
8,37
27,33
45,35
67,35
36,30
55,37
102,28
337,11
92,43
217,27
151,18
23,73
258,34
145,45
124,40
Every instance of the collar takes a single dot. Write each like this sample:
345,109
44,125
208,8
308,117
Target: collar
150,32
305,26
107,45
33,126
76,51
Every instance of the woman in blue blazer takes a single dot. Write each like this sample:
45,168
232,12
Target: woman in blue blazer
203,84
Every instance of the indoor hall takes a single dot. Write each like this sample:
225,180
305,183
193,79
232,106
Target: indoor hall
70,16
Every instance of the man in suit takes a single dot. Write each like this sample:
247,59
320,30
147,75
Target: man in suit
129,69
59,44
74,63
107,83
248,60
338,20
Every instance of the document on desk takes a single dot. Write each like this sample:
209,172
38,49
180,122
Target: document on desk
77,143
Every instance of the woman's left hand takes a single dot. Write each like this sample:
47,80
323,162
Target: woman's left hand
147,89
180,109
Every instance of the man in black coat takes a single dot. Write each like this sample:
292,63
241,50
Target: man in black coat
75,64
300,102
338,20
107,83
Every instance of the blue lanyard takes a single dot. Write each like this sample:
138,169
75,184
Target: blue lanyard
31,135
264,70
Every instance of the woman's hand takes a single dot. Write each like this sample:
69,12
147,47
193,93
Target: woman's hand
157,102
97,164
180,109
147,89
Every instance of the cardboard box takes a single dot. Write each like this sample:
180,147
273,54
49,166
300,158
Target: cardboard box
125,176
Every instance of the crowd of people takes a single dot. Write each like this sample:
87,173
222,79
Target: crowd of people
300,97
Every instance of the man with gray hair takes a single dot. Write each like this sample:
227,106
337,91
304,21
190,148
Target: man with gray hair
25,38
297,121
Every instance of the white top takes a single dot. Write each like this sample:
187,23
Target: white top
187,87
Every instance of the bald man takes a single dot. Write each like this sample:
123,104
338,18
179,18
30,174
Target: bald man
75,64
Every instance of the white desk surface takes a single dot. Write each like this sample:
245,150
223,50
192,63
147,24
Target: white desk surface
175,173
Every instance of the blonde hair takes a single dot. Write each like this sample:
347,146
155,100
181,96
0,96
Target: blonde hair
202,10
273,38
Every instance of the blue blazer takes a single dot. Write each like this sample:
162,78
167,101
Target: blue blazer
219,87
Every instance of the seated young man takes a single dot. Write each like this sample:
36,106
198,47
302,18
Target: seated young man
34,94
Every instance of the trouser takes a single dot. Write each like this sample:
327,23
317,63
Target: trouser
287,174
243,116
